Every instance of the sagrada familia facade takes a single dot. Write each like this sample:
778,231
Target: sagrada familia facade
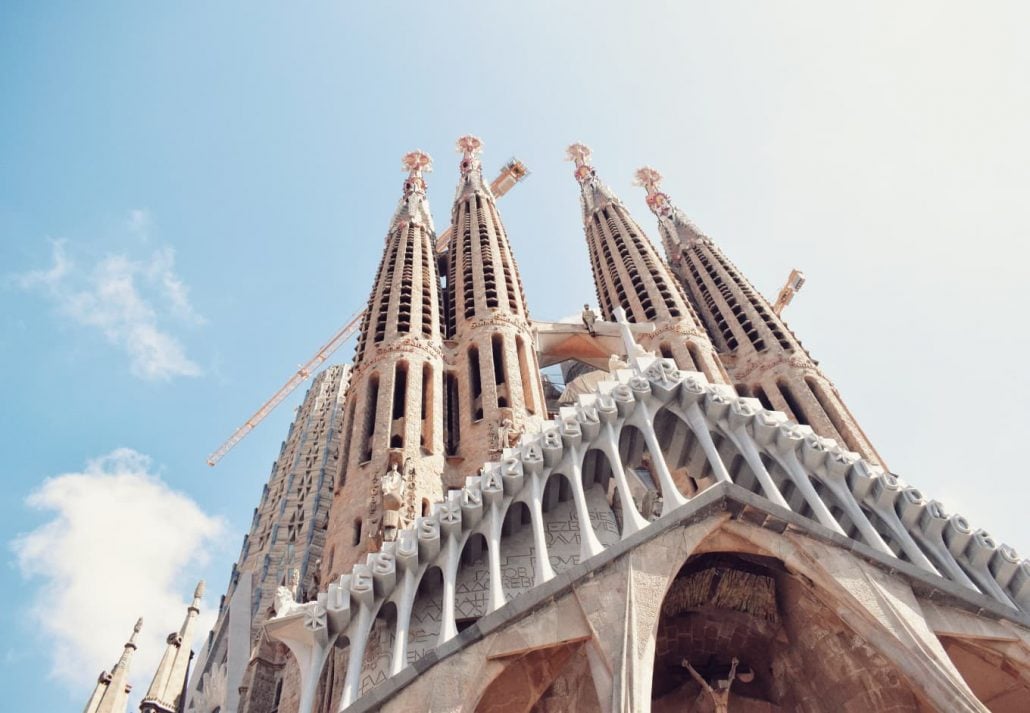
697,523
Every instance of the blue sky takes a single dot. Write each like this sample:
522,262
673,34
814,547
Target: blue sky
193,197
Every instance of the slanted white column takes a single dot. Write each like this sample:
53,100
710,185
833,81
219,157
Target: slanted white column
363,597
788,438
572,437
493,495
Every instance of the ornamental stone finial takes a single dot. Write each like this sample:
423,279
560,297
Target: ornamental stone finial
649,178
199,591
136,629
469,146
658,202
580,155
417,161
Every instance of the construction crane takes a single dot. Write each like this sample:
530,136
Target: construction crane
286,389
512,172
794,282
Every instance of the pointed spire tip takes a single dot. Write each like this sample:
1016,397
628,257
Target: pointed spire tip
417,161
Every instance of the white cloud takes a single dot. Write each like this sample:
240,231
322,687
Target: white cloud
120,544
139,223
117,296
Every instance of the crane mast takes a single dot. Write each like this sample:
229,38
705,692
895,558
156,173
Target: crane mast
286,389
512,172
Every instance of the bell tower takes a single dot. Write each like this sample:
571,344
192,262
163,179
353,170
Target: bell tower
493,390
392,456
629,273
763,356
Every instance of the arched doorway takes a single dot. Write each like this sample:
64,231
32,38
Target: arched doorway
792,651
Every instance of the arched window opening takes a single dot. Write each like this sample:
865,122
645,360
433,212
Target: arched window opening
452,413
400,399
759,393
500,370
529,383
475,383
793,403
833,412
427,438
348,436
356,534
369,421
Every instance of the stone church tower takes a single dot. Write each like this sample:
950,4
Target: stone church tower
629,273
493,391
393,456
702,527
764,357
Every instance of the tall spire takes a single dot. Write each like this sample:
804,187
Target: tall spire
414,205
392,455
629,273
166,688
111,694
595,194
763,356
471,168
674,226
494,389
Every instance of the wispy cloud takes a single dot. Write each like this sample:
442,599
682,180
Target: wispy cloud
120,544
127,300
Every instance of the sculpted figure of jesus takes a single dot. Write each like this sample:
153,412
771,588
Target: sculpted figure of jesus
721,697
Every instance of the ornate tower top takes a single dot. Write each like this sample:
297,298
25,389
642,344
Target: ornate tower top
650,179
469,147
595,193
580,155
669,216
471,168
415,162
414,206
